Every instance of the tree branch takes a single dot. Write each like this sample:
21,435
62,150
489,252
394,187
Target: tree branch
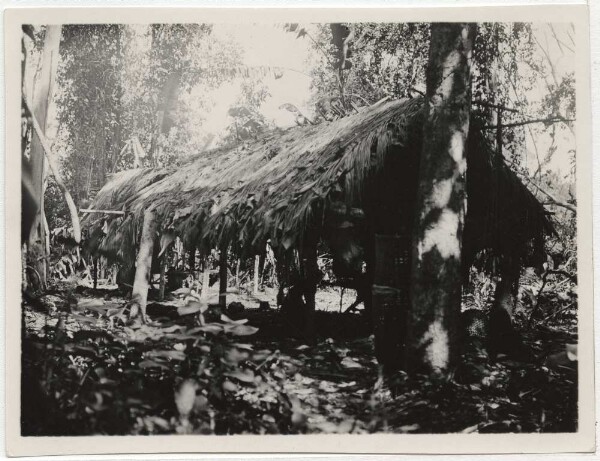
553,200
529,122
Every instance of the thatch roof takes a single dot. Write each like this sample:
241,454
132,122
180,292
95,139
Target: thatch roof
281,184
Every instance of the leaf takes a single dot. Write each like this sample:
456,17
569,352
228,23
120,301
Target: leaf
158,421
152,364
83,348
182,213
192,308
182,291
201,403
234,356
165,240
470,429
409,428
83,318
243,330
89,303
175,355
226,319
229,386
211,328
571,350
245,376
185,397
287,242
349,363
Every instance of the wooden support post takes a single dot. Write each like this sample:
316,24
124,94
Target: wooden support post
237,274
223,277
103,263
261,270
192,260
141,283
256,271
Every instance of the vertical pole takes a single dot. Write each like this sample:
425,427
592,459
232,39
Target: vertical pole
205,279
256,270
390,298
223,276
95,273
163,271
237,274
192,260
310,277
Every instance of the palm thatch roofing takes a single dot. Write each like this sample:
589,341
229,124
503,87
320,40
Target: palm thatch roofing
284,183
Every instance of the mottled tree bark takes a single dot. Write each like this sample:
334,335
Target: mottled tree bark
432,339
139,296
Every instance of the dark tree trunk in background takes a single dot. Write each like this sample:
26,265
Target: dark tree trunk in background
441,203
501,334
42,94
141,284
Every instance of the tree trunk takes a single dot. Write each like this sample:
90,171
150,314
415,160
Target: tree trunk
432,344
42,95
139,296
223,277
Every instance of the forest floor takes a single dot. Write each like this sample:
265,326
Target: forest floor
193,370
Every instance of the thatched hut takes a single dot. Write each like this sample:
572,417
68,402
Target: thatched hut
340,182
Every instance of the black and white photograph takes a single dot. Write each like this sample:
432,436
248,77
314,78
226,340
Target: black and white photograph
291,228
